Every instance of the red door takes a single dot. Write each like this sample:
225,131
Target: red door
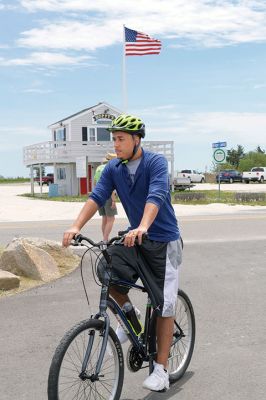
86,184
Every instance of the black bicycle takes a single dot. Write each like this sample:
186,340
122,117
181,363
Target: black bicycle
89,362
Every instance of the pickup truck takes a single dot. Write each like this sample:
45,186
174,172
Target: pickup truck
256,174
194,176
46,180
181,183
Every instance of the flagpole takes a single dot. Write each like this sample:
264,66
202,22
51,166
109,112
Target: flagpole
124,86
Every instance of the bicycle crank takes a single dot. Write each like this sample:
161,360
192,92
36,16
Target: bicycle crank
134,359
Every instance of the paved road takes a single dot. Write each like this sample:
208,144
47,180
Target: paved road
14,208
223,272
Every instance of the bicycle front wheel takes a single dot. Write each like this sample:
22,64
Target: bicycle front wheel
65,383
183,339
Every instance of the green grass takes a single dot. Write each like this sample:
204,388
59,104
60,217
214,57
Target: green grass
186,197
44,196
213,196
14,180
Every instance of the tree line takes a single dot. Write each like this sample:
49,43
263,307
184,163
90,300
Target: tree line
242,161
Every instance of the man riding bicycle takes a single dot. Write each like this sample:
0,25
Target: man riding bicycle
141,181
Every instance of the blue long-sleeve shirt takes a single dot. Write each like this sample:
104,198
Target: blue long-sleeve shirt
151,185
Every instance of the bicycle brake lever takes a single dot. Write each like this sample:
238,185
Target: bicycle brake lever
74,244
77,240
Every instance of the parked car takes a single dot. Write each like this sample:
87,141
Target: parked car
46,180
229,175
256,174
192,174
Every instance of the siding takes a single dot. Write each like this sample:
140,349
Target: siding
86,120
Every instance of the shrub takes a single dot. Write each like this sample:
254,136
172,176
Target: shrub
190,196
249,197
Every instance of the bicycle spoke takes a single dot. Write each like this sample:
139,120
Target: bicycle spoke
65,377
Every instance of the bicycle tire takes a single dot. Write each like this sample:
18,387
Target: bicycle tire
181,351
64,382
182,348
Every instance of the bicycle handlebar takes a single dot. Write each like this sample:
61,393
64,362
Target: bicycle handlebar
78,239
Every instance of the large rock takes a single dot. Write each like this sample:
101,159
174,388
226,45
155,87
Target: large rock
8,281
64,257
38,259
30,261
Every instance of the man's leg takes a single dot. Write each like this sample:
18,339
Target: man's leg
159,378
165,329
109,222
120,298
104,220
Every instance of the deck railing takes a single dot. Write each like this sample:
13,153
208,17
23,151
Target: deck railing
66,152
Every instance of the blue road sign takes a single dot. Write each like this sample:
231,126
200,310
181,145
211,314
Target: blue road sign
218,145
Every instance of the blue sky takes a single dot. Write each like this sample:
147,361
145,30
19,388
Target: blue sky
58,57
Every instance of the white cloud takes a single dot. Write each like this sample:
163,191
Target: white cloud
8,7
15,137
194,133
201,22
82,25
243,128
38,91
205,128
72,35
45,59
260,86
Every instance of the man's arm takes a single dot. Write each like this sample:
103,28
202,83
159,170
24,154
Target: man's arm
149,215
159,181
86,213
113,197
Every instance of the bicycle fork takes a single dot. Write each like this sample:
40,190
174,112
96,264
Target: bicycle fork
102,313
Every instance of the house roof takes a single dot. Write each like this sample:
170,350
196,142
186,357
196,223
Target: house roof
83,111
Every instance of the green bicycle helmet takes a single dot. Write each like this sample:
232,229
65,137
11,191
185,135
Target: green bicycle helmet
129,124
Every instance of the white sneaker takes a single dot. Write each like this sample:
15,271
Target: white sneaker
158,380
120,332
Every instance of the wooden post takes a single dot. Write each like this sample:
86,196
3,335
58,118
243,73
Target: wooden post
31,180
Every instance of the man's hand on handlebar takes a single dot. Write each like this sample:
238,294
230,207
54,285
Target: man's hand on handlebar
69,235
134,234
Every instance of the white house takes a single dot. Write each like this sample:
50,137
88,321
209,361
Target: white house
78,145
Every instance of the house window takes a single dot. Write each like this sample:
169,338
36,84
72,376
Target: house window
92,134
60,134
103,135
98,134
61,174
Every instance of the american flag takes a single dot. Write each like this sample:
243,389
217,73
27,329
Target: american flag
140,44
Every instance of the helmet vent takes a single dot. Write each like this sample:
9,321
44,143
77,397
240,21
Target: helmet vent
128,123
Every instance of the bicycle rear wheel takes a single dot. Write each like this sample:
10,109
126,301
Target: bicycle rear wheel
184,338
64,382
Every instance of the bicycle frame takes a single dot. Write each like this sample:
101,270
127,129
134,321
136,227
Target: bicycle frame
107,302
143,344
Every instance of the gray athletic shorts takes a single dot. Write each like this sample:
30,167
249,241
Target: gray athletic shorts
156,264
107,210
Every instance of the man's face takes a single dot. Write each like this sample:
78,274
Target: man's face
124,144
